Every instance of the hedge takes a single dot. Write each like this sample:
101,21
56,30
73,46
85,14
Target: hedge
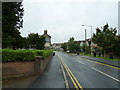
23,55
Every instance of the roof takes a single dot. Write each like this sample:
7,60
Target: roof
46,35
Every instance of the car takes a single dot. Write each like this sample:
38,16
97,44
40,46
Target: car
53,53
67,51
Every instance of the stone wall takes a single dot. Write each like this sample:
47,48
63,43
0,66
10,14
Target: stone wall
24,68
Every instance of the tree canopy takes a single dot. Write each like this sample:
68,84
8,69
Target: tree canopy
71,45
12,21
64,46
105,38
36,41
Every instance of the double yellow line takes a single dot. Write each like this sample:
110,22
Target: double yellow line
77,85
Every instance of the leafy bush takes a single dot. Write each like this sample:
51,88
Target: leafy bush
23,55
46,53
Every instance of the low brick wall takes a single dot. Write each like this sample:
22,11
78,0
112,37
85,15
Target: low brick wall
19,69
44,63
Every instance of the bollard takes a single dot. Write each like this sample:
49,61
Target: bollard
37,64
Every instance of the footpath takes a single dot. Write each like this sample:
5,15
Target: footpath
113,63
21,82
52,76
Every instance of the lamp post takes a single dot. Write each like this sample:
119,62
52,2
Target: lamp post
91,33
90,27
85,41
85,34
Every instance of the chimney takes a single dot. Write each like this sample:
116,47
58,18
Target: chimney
45,31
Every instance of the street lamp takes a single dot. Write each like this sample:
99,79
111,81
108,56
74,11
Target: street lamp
85,40
91,34
91,28
85,34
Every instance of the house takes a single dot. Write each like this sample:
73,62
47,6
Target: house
47,40
88,42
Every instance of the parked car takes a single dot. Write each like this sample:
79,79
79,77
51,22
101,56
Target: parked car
67,51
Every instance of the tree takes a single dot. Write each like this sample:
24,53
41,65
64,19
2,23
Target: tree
105,38
64,46
116,45
73,46
36,41
12,21
24,43
85,48
41,43
77,45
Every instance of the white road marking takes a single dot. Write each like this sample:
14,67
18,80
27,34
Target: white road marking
81,62
106,74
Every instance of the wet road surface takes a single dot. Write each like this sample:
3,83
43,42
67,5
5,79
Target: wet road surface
88,74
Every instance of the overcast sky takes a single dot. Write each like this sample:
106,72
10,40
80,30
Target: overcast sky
64,19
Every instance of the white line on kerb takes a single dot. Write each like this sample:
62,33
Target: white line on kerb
106,74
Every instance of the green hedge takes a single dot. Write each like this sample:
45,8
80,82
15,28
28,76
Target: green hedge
23,55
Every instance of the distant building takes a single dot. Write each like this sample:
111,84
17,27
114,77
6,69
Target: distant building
57,46
47,40
89,43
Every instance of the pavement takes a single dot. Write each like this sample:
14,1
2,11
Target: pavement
22,82
51,78
113,63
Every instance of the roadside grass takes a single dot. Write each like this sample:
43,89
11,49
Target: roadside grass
114,59
86,54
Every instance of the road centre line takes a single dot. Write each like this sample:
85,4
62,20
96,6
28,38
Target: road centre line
68,73
75,79
72,77
65,77
106,74
101,63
